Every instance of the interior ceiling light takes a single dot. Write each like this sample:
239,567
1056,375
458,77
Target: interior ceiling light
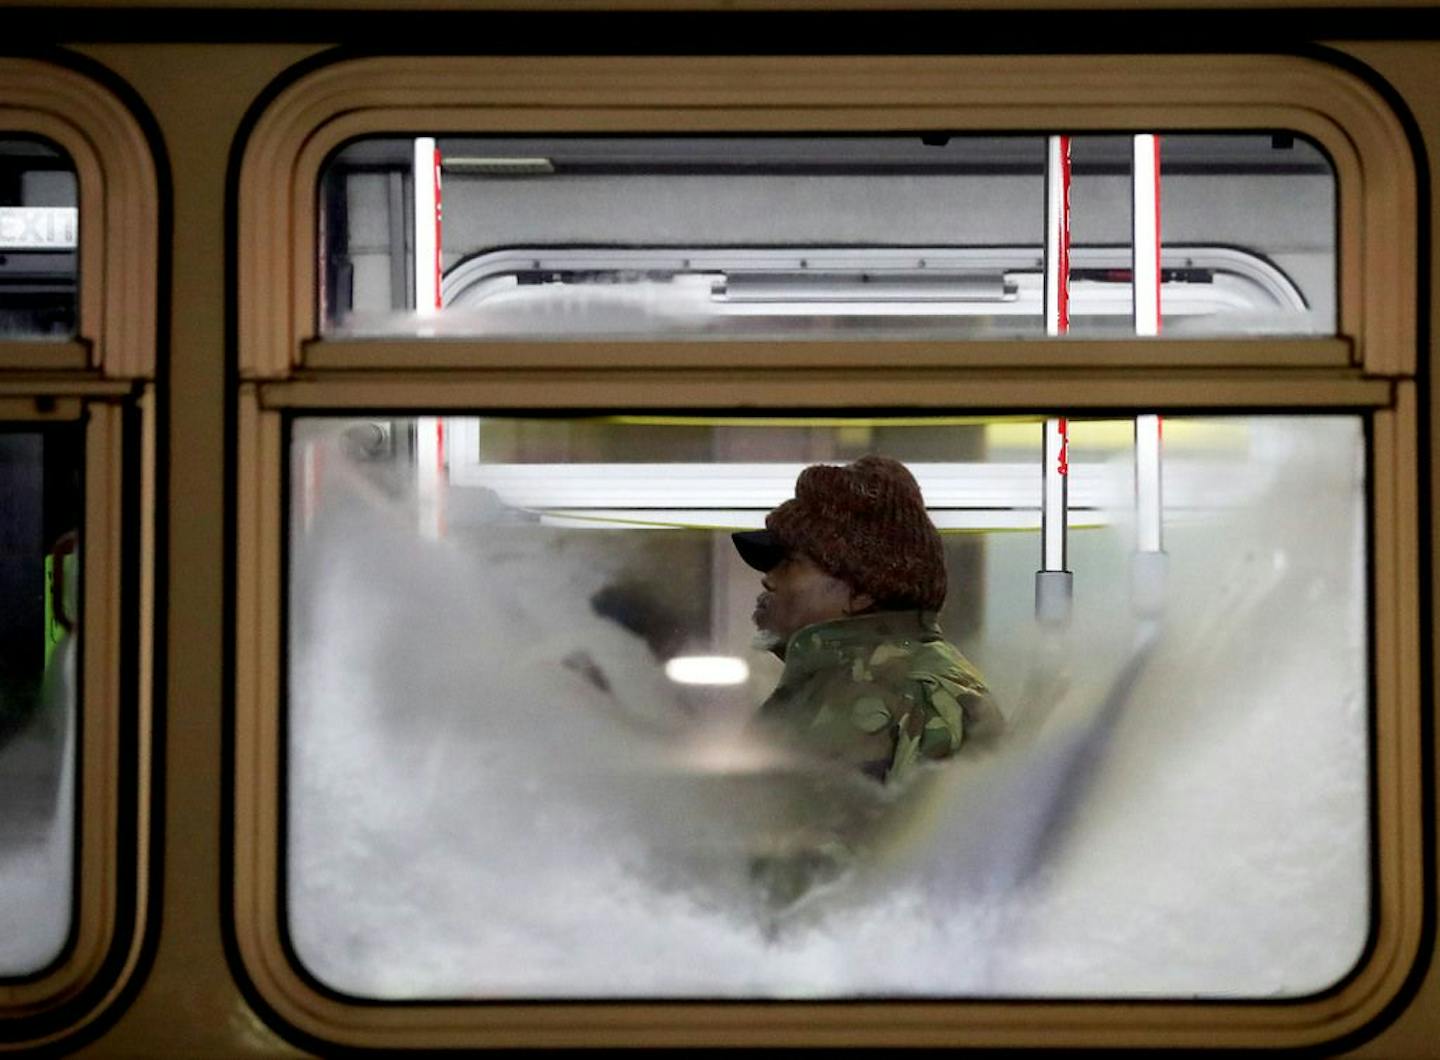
879,286
499,167
707,670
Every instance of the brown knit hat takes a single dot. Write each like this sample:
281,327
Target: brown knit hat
866,524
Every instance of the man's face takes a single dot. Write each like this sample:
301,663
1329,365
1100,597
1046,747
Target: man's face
798,593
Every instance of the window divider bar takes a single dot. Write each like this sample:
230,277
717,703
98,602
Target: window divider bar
41,385
407,354
71,355
979,389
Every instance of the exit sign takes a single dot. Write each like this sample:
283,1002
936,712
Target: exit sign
39,227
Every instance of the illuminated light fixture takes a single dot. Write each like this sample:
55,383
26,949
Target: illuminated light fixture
723,488
753,486
945,520
869,286
501,167
707,670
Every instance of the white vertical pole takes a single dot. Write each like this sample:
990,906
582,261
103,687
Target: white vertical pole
430,471
429,430
427,226
1053,582
1145,242
1149,565
309,484
1148,501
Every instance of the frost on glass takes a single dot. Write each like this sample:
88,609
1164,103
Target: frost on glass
39,588
857,237
503,781
39,240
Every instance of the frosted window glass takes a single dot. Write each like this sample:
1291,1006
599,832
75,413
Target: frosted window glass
787,237
39,587
503,782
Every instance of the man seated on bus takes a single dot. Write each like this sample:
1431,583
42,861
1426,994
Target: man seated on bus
854,575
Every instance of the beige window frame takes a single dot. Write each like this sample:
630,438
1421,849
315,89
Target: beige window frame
103,378
286,368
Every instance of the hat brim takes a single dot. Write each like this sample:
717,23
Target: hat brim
759,548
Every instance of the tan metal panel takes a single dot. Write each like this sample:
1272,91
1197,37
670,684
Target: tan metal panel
258,651
1409,68
189,1003
559,6
1399,753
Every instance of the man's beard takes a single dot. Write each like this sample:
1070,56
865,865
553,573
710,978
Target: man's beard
767,640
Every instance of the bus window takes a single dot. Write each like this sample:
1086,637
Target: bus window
878,237
39,585
525,664
39,241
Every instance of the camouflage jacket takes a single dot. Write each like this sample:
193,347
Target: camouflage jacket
881,692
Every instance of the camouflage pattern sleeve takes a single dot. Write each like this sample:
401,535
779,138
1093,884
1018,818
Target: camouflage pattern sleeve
925,726
944,698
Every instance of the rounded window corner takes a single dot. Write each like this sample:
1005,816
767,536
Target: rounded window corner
119,208
88,982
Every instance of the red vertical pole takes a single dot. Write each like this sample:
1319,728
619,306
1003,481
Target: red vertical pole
1053,582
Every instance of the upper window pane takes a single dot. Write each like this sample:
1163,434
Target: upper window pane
39,240
39,600
919,236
